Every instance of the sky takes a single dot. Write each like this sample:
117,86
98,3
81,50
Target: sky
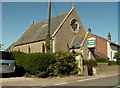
101,17
0,22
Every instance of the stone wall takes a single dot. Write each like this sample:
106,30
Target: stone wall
103,68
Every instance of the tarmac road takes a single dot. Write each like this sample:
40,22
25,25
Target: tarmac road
103,81
111,80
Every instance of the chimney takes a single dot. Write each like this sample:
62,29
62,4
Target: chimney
89,30
109,36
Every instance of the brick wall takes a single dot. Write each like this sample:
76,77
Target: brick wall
101,46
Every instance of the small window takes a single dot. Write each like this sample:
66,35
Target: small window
43,48
18,49
29,49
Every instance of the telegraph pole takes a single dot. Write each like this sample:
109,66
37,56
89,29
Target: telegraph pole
48,32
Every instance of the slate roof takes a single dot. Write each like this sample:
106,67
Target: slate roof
76,42
37,31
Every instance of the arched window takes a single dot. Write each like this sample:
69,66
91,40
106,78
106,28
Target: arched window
18,49
29,49
43,48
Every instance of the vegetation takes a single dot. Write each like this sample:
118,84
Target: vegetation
65,65
117,56
111,63
101,60
91,63
35,63
47,64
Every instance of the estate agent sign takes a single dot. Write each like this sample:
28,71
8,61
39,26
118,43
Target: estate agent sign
91,42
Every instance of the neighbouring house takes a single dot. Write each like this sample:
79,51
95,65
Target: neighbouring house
102,47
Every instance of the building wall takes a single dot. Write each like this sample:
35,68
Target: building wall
34,47
111,50
101,46
66,34
61,40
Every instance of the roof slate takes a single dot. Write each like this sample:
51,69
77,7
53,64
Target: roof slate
38,31
76,42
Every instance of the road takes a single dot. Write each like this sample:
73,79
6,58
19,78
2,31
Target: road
99,81
110,81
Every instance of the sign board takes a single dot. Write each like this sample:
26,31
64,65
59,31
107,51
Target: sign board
91,42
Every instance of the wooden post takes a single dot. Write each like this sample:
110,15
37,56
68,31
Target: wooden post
48,32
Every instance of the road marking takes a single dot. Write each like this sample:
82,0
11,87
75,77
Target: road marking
117,86
85,79
96,77
61,83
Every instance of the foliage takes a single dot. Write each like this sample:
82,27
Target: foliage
101,60
91,63
47,64
110,63
117,56
34,63
65,64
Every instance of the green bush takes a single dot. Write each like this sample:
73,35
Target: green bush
110,63
65,64
117,56
101,60
91,63
47,64
34,63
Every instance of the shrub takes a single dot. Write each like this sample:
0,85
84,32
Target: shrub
91,63
117,56
110,63
34,63
103,60
65,64
47,64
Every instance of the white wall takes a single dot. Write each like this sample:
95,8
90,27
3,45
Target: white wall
111,50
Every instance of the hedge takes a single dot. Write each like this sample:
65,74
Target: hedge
101,60
35,63
110,63
47,64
